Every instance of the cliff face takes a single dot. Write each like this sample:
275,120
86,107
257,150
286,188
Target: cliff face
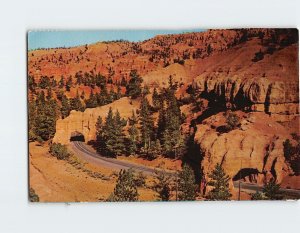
85,122
255,94
253,152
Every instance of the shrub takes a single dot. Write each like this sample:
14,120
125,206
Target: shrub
59,151
258,56
33,197
271,190
257,196
162,185
125,189
140,179
232,121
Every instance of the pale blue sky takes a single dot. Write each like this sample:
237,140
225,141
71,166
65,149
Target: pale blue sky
52,39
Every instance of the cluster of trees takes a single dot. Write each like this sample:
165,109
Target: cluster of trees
271,191
180,186
144,137
110,135
43,113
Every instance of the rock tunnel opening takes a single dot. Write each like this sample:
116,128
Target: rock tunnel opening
247,174
77,136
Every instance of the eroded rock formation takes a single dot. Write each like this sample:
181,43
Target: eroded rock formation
85,122
253,152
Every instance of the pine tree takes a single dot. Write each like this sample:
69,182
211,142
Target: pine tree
119,94
156,99
62,82
69,84
171,136
65,107
147,124
92,101
133,134
31,83
125,189
118,146
100,80
123,82
162,185
133,88
113,134
47,114
187,184
101,136
49,93
76,104
271,190
220,183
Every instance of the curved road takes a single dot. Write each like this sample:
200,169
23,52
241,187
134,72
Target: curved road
88,153
110,162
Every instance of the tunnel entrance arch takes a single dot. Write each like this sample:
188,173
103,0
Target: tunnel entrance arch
77,136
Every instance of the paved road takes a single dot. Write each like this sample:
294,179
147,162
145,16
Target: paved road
252,188
88,153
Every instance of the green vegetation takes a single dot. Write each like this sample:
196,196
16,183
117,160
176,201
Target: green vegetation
187,188
126,188
162,185
42,118
133,134
220,182
232,121
271,191
292,154
59,151
257,196
133,88
33,197
111,133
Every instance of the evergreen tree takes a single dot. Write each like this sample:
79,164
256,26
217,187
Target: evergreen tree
113,134
69,84
161,124
133,134
100,80
125,189
31,83
162,185
47,112
156,99
220,183
92,101
62,82
133,88
49,93
65,107
76,104
118,147
271,190
147,124
123,82
100,139
44,82
171,136
119,94
187,184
